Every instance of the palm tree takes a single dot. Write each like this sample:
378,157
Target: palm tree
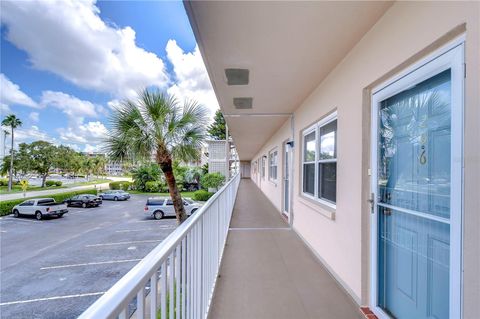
88,166
99,165
156,125
13,122
5,135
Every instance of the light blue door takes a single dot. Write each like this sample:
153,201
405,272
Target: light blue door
414,189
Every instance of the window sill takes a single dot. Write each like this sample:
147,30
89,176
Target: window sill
274,182
324,209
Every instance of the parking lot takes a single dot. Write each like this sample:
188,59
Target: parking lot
56,268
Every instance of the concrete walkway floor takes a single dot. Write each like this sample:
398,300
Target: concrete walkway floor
268,272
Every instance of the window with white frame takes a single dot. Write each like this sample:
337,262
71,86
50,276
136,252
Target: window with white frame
272,165
319,160
264,159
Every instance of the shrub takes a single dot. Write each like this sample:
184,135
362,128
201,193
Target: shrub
212,180
156,187
152,187
3,182
202,195
145,173
7,205
58,183
50,183
123,185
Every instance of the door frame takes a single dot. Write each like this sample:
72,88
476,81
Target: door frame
285,147
450,56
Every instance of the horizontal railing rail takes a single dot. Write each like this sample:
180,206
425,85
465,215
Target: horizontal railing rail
177,278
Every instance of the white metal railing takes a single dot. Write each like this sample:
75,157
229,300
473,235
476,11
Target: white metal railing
177,278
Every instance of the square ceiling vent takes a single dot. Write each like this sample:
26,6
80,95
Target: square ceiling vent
243,103
237,76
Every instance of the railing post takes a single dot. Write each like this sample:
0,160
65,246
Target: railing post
153,295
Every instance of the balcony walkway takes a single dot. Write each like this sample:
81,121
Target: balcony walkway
268,272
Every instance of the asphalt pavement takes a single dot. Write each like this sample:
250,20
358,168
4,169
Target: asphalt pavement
56,268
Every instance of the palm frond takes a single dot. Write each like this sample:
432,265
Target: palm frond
157,121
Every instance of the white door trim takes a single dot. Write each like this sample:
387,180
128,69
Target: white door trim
286,156
451,57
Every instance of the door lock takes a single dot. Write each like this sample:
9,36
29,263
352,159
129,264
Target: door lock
387,211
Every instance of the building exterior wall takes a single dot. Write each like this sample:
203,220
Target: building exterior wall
273,188
340,237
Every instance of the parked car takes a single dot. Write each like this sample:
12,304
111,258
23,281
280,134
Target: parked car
40,207
114,195
159,207
84,200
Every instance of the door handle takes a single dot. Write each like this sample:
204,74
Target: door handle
371,200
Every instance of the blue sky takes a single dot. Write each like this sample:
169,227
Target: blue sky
65,65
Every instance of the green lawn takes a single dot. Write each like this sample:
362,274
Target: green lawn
92,182
18,188
184,194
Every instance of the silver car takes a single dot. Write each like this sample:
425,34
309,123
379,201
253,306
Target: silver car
114,195
159,207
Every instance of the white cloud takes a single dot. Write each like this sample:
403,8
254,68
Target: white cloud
10,94
91,148
4,109
70,39
34,117
33,133
191,77
84,133
113,104
73,107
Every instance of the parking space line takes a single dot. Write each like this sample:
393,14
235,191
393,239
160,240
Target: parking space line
51,298
144,229
124,243
145,221
11,219
91,264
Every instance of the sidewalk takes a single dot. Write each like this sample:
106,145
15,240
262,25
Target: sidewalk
48,192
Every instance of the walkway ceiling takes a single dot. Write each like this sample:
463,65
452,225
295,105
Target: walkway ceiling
288,48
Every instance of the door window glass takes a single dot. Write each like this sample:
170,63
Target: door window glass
414,157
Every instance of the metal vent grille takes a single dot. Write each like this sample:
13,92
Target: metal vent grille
243,103
237,76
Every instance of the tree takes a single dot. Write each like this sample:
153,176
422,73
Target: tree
5,135
77,163
212,180
6,164
42,155
193,174
88,165
22,161
217,129
65,158
99,163
13,122
156,124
